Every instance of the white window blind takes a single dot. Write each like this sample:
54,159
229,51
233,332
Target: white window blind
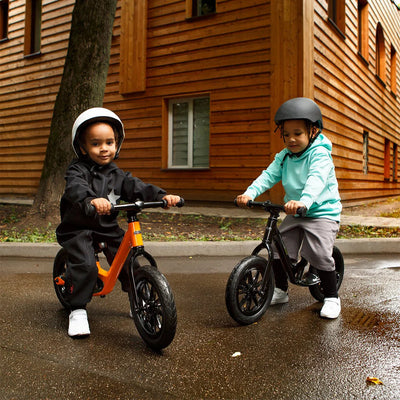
189,133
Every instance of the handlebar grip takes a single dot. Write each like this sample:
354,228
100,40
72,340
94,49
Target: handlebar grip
180,203
90,210
249,203
302,211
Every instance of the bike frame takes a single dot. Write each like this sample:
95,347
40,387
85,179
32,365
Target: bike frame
132,240
272,235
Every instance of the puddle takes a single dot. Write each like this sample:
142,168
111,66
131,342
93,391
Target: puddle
395,267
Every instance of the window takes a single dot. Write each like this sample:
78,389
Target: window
337,14
365,152
394,163
199,8
363,29
188,133
33,23
380,53
393,70
3,19
386,161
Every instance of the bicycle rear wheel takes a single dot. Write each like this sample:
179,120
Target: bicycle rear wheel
316,290
245,298
59,268
155,313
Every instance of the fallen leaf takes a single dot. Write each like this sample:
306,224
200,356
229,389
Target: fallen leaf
375,381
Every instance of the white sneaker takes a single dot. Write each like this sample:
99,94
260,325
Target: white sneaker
78,323
279,297
331,308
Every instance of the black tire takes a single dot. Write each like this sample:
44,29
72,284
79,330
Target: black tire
155,315
316,290
244,298
59,268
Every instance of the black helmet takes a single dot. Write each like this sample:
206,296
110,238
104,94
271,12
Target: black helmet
299,108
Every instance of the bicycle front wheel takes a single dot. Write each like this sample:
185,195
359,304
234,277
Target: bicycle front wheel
155,312
245,297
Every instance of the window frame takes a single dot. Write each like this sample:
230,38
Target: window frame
337,16
386,160
395,162
380,52
33,28
365,152
4,16
191,10
190,152
363,30
393,70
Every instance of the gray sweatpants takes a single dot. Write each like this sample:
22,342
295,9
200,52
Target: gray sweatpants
312,238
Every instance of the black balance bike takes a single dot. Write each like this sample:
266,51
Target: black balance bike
250,287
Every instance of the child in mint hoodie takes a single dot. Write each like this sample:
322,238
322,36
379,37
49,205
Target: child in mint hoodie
306,170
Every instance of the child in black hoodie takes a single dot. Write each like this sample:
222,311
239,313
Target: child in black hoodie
93,178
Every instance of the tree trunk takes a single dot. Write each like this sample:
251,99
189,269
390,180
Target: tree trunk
82,86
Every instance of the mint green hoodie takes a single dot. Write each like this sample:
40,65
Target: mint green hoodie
309,178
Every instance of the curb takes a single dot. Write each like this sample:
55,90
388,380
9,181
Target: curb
211,249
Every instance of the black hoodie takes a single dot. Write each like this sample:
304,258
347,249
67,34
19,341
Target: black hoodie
85,181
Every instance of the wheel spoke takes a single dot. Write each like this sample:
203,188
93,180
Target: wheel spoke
249,293
150,310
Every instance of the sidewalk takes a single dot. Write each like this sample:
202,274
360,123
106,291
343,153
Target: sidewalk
236,212
225,248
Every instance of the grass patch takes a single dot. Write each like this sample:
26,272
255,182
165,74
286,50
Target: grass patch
392,214
166,226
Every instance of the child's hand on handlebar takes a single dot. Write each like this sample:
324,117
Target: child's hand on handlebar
102,206
242,200
292,206
171,200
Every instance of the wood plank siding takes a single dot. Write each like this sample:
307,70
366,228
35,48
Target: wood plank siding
28,88
224,56
247,57
354,100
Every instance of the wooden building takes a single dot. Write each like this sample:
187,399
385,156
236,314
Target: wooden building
197,83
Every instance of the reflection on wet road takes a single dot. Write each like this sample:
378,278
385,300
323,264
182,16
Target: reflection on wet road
290,354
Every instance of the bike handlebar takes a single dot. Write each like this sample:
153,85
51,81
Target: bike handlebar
270,207
136,206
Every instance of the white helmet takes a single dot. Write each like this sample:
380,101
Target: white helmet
97,114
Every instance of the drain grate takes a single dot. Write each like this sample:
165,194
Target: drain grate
363,319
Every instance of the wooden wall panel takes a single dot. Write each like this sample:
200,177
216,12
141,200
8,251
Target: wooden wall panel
231,57
353,100
28,87
226,56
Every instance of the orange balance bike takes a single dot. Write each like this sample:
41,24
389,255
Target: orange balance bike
151,298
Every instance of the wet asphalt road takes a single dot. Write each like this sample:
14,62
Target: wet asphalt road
290,354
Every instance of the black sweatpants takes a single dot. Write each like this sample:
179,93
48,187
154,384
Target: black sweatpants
81,274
